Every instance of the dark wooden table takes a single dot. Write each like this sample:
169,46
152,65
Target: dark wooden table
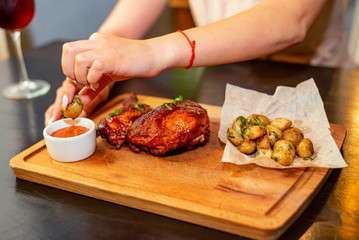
33,211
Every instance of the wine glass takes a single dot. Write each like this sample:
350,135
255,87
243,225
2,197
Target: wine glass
15,15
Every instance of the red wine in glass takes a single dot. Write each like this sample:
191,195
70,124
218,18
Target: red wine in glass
15,15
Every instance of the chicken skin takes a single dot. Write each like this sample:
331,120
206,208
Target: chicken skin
171,126
114,127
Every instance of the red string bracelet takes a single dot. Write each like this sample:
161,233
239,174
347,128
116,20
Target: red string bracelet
193,46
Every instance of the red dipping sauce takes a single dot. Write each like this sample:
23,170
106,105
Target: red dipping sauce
71,131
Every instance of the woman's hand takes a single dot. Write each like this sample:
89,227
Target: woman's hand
98,62
87,61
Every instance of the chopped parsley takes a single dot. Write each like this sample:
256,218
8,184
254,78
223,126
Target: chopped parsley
275,134
243,130
116,112
137,106
311,158
177,99
78,100
242,119
258,121
167,106
230,134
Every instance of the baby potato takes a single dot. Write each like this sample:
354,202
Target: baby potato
281,123
74,109
247,146
284,144
256,131
264,152
283,156
294,135
275,139
273,133
305,148
239,123
234,136
263,142
256,119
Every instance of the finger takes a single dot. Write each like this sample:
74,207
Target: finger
48,115
95,73
67,89
70,89
87,95
103,67
100,98
56,112
81,67
69,52
85,61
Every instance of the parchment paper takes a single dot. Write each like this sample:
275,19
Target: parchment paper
302,105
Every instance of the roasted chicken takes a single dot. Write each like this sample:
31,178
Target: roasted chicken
114,126
177,125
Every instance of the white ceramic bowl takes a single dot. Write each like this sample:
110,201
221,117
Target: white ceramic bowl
71,149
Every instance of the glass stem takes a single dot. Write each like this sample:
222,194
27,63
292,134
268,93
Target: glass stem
16,39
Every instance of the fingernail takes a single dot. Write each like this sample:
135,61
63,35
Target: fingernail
65,101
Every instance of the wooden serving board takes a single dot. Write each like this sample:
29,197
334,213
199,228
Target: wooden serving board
193,186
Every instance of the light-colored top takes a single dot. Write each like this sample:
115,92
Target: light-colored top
324,45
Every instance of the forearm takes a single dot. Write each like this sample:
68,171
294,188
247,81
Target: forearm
132,18
257,32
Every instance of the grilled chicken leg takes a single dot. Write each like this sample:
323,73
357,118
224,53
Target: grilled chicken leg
114,127
171,126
